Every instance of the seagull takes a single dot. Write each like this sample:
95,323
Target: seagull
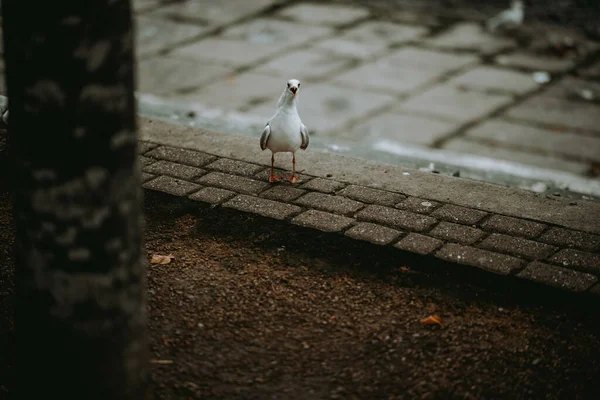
285,132
509,18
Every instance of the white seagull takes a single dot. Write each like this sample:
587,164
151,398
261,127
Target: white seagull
285,132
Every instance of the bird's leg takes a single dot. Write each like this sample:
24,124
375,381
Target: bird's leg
273,178
294,178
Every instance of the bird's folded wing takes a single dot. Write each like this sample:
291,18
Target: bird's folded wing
304,134
264,138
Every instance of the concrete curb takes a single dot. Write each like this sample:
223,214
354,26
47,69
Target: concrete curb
496,229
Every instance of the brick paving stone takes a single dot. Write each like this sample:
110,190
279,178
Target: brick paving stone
326,202
524,157
167,75
213,12
485,77
144,146
239,92
229,52
323,185
396,218
557,112
373,233
416,129
576,259
404,70
283,193
487,260
459,214
307,64
212,195
331,107
175,170
145,160
418,205
517,246
170,185
322,221
144,5
471,36
568,238
264,207
324,14
146,177
236,183
562,278
371,37
570,88
459,105
419,244
590,72
373,196
265,174
156,34
235,167
456,233
513,226
535,62
182,156
528,137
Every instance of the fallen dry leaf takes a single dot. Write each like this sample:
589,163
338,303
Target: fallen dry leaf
163,362
433,320
404,268
158,259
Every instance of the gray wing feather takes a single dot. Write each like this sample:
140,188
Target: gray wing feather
305,138
264,138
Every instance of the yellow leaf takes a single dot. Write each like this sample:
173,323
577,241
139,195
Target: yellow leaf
158,259
433,320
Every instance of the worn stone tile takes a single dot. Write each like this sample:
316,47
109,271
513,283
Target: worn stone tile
334,204
230,52
577,259
238,184
462,215
420,244
459,105
485,77
554,142
144,5
324,14
235,167
331,107
261,206
373,233
167,74
524,157
456,233
396,218
370,195
513,226
570,88
487,260
568,238
146,177
282,193
175,170
145,160
418,205
213,12
307,64
416,129
517,246
557,112
144,146
562,278
182,156
471,36
534,62
371,37
323,185
212,195
170,185
156,34
591,71
322,221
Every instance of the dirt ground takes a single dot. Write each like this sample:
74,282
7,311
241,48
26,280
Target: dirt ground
253,309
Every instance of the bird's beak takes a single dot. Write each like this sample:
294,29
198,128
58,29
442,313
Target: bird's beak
293,89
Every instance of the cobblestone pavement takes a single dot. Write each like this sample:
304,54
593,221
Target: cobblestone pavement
375,75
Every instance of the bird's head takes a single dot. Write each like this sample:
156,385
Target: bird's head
293,86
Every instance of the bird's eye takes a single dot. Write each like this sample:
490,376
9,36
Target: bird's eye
288,84
298,85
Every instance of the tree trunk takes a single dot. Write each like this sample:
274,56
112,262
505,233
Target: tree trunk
80,314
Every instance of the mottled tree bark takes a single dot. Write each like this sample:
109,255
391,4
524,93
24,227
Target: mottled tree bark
80,314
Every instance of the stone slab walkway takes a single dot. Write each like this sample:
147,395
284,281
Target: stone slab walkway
501,230
403,76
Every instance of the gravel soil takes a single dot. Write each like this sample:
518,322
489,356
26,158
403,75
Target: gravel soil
254,309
